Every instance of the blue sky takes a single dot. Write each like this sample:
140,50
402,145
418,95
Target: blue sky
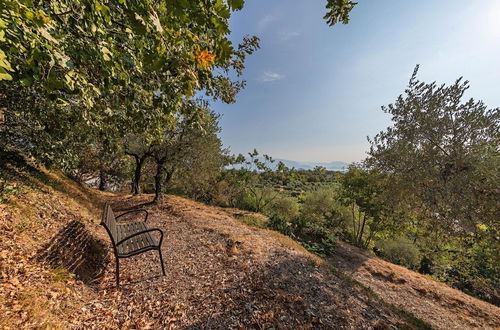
314,92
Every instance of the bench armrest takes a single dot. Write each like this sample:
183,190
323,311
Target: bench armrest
142,232
133,211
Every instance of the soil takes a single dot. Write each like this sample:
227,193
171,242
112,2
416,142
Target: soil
222,274
436,303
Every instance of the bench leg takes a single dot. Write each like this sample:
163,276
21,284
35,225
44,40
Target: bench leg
117,274
161,262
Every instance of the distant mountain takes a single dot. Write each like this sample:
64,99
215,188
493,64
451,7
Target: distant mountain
331,166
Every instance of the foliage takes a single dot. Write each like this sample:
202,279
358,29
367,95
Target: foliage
338,11
203,159
471,265
284,207
441,157
320,206
103,163
136,146
226,192
443,154
365,192
326,246
173,147
292,227
400,251
257,177
252,220
83,71
89,46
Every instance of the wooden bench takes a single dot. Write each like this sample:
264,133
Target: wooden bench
130,239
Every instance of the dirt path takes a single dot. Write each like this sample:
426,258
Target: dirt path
435,303
222,275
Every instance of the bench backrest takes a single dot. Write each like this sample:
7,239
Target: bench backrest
109,221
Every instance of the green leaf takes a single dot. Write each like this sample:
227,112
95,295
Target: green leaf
27,81
106,53
236,4
3,62
4,75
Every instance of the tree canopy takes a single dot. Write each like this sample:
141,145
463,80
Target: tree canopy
443,154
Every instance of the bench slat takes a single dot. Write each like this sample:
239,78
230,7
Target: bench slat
134,245
143,241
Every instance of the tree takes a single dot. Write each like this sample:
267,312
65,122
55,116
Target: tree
137,147
257,177
365,192
175,146
167,151
92,46
203,159
110,66
442,154
72,67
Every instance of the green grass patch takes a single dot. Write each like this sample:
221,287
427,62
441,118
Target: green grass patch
254,221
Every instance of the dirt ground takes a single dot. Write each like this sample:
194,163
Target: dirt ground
221,274
431,301
224,275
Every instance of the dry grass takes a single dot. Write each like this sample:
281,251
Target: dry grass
436,303
216,266
31,294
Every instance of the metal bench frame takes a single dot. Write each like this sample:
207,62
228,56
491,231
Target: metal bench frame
112,235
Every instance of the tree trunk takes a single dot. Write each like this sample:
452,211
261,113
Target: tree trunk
169,176
360,236
136,188
160,170
354,228
102,180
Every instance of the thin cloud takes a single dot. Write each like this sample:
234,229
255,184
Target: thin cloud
265,21
268,76
287,35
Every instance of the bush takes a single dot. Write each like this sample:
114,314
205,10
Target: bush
244,201
290,227
318,239
321,207
400,251
224,194
319,204
325,247
284,208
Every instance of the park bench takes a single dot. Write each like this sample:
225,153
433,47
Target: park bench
130,239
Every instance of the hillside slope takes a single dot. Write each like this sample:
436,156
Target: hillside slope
436,303
220,273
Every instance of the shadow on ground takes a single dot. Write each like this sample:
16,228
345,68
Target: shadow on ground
285,295
74,249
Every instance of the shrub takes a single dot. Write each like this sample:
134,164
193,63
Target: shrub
244,201
290,227
400,251
224,194
284,207
318,204
319,240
